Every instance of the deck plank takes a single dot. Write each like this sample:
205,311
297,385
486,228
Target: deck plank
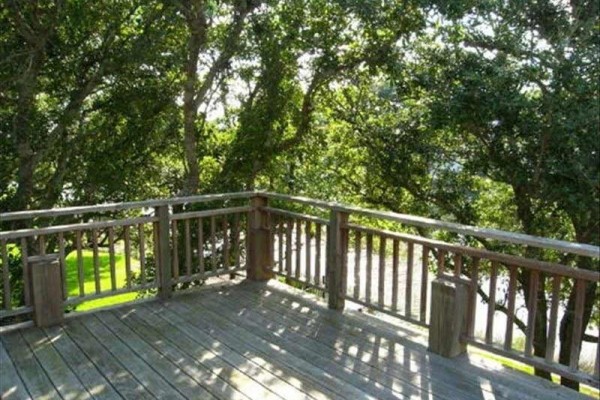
127,385
201,372
306,370
11,385
219,356
163,379
263,358
64,380
95,383
37,382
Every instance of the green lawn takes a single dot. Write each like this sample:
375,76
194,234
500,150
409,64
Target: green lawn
105,281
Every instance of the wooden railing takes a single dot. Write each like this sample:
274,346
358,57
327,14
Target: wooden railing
166,245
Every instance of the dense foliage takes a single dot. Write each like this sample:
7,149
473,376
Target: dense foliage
484,113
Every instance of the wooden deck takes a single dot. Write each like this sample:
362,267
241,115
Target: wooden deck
246,340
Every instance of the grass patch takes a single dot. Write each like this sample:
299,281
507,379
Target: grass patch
89,282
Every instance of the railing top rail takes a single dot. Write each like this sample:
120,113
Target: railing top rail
487,233
108,207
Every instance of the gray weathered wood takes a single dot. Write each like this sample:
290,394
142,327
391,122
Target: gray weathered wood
424,284
96,261
260,258
142,247
6,298
164,266
448,320
337,248
409,279
11,385
127,248
510,315
489,326
368,279
46,285
298,251
111,258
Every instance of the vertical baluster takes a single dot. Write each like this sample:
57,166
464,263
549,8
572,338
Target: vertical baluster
213,243
369,267
551,343
580,286
489,329
111,253
510,316
381,274
597,362
127,255
288,248
25,266
357,248
308,255
61,257
409,279
441,262
96,261
424,283
225,227
318,254
473,297
395,262
142,236
201,247
280,228
531,312
236,239
155,248
80,278
5,277
188,248
298,248
175,236
458,260
42,244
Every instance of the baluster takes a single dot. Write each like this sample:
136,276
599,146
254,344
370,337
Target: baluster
213,242
111,254
580,286
457,264
298,248
175,236
531,312
288,248
280,228
201,248
551,342
473,297
369,267
61,257
510,316
80,277
188,248
441,262
25,266
142,237
395,261
127,256
357,248
236,240
225,228
96,261
409,279
489,329
307,244
381,274
318,255
5,277
424,283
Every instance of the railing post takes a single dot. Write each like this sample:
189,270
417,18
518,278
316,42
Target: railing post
448,317
259,264
164,252
46,287
337,253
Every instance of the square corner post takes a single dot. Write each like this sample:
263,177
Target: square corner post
337,255
448,317
46,288
165,289
259,264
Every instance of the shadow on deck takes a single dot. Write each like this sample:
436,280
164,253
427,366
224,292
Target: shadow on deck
246,340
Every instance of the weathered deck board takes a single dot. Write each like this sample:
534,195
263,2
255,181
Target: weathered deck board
241,341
